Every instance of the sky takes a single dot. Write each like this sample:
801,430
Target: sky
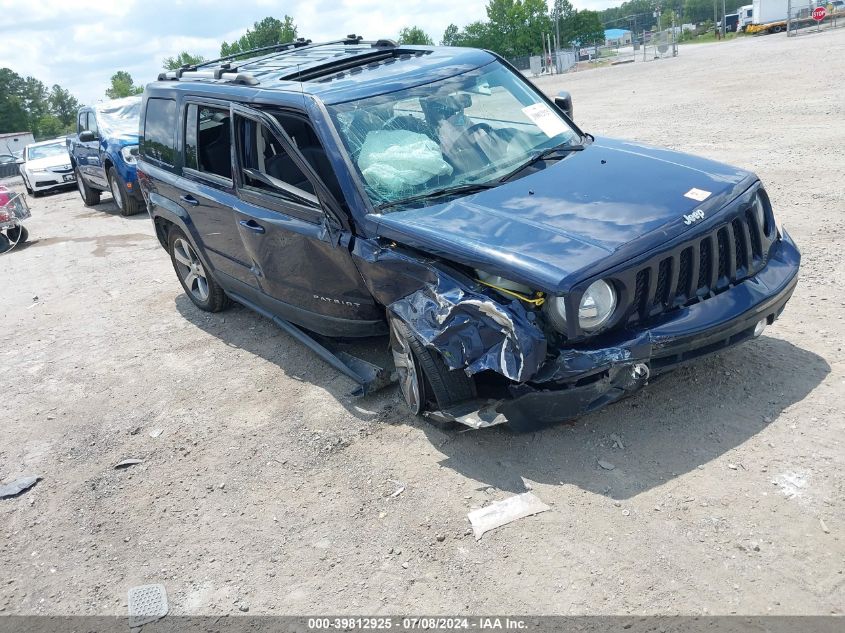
79,44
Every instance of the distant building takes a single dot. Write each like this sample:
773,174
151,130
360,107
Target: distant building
617,37
14,142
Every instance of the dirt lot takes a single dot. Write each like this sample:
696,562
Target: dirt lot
271,489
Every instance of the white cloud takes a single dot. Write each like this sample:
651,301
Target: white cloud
81,43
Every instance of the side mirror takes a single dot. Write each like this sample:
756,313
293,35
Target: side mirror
87,136
19,161
563,100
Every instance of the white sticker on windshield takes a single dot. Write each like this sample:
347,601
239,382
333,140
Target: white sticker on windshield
697,194
545,119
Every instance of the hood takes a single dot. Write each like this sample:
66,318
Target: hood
590,211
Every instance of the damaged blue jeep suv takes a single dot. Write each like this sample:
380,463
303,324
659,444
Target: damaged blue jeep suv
524,270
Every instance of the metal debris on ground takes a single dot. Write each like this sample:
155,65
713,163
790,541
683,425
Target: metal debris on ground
823,525
126,463
503,512
156,432
617,441
18,486
147,603
606,465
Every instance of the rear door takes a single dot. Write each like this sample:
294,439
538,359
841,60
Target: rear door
290,223
209,196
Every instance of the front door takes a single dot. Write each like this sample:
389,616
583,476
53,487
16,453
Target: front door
301,258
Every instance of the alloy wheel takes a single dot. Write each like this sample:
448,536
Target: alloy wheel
406,369
190,269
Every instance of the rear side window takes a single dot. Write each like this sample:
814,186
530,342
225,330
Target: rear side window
159,142
208,144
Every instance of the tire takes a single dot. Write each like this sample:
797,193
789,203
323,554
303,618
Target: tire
126,203
19,234
197,283
89,196
4,243
424,379
27,187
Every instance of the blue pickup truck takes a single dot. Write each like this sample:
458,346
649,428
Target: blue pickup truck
104,153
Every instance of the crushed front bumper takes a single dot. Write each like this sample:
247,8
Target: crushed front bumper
587,378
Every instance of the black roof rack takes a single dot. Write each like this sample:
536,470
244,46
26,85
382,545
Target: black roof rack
246,67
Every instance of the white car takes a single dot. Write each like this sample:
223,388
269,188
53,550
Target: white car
46,166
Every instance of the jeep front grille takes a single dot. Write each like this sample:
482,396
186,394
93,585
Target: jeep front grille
700,267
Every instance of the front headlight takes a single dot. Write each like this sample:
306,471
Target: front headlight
597,306
130,154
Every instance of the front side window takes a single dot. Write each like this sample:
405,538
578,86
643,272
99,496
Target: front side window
470,129
208,144
159,140
92,123
82,124
267,168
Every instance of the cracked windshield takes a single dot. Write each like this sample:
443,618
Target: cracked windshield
470,129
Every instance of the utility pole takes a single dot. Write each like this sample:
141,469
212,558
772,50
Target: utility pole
724,20
557,30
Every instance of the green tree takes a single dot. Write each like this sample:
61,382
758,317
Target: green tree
13,115
63,106
450,35
586,28
122,85
414,35
48,126
267,32
182,59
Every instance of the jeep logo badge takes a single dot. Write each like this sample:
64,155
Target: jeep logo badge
693,217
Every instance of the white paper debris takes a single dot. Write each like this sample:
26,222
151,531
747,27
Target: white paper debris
697,194
545,119
504,512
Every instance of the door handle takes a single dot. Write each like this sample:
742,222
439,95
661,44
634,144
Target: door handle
252,225
189,199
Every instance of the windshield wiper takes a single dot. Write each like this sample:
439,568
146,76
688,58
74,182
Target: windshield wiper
468,187
542,155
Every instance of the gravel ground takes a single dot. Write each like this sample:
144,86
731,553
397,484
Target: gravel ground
270,489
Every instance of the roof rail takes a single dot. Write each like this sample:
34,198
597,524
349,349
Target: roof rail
297,43
232,76
228,69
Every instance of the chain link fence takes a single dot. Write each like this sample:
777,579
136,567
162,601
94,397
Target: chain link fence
643,47
812,16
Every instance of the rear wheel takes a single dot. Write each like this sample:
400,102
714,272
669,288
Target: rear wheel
424,379
89,196
198,284
126,204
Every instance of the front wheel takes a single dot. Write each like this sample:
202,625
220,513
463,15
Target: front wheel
126,204
198,284
89,196
4,243
18,235
424,379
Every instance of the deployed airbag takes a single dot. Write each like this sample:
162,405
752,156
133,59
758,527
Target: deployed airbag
393,161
